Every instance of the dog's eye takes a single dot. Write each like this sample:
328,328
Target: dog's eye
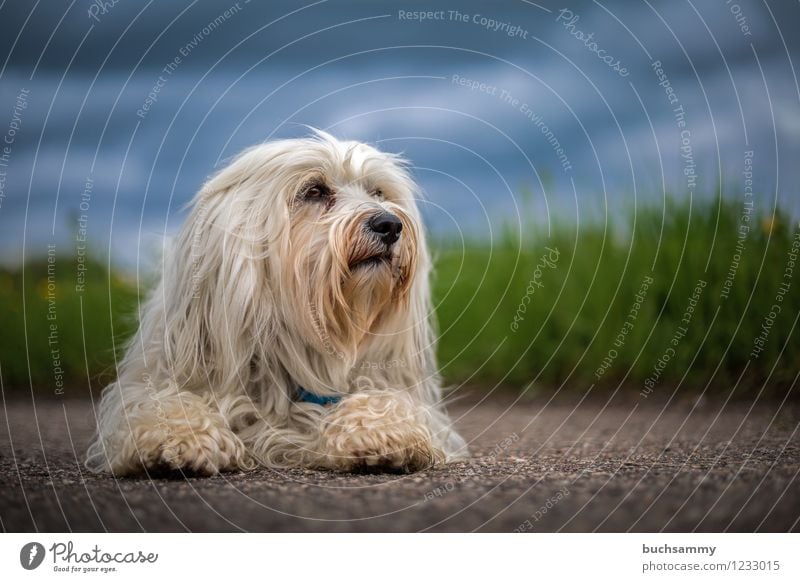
317,192
378,193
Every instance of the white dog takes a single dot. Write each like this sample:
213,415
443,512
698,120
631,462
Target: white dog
292,326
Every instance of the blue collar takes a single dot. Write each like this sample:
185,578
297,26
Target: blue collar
304,395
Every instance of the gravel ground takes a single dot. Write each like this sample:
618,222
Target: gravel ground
593,466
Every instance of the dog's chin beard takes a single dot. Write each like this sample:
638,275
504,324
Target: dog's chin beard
372,282
370,255
375,275
379,260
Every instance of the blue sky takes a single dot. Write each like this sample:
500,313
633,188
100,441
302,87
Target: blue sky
462,98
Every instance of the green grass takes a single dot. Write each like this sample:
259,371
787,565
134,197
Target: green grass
575,316
89,324
570,320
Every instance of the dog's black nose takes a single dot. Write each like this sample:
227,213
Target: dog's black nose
387,226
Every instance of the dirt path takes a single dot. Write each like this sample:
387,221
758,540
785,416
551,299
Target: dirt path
625,466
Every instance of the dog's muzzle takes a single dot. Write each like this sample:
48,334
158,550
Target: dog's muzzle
386,226
380,233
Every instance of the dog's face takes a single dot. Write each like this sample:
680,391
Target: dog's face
354,230
340,230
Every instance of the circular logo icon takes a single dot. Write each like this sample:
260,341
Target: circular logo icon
31,555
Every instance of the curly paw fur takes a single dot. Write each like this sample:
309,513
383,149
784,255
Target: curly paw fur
377,431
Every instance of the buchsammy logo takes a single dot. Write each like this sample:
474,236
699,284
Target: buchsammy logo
31,555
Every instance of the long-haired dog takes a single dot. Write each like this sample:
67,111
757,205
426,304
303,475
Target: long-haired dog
292,326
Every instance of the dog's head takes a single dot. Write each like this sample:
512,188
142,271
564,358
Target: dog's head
325,236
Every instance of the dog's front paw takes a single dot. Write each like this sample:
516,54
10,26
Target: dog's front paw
204,453
379,432
185,436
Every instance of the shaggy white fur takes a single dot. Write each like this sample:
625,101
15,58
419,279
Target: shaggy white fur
280,279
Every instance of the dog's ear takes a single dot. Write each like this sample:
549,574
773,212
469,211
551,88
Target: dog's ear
422,318
217,304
